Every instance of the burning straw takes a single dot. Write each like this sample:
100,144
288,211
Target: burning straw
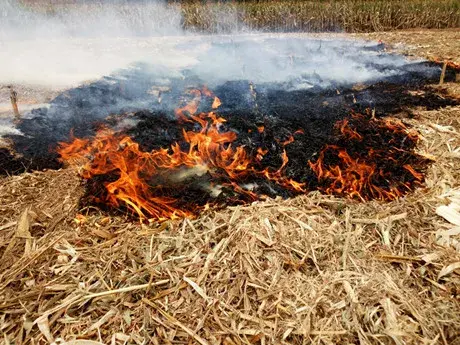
370,159
315,268
367,159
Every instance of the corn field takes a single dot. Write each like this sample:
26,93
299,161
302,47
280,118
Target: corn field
214,16
320,16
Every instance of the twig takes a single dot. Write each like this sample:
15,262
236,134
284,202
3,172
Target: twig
8,225
14,102
443,73
77,299
126,289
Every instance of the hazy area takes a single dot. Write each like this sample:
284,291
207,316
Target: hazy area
74,44
65,46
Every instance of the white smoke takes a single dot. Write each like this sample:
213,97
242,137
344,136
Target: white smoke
79,18
66,45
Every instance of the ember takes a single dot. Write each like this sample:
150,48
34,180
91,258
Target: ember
368,159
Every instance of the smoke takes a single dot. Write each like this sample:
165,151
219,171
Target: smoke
91,19
302,62
112,56
67,45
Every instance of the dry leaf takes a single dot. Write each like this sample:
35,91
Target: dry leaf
102,320
449,213
429,258
443,129
350,292
446,270
22,230
195,287
268,242
23,226
44,327
102,233
444,238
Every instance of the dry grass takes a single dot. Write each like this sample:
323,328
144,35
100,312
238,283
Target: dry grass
314,269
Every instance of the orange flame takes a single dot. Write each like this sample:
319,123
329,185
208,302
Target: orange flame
356,176
351,178
141,180
208,148
110,153
347,131
216,103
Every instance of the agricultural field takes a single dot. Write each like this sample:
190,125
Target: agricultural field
230,172
294,16
320,16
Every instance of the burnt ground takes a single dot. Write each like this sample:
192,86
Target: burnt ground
307,115
310,118
280,111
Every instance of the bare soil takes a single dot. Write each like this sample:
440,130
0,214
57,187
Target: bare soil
429,44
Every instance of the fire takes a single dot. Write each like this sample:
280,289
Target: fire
190,106
153,184
111,153
216,103
209,149
384,173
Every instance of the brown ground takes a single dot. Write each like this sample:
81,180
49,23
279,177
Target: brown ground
29,96
430,44
313,269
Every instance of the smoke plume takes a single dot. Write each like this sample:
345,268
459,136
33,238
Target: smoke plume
66,45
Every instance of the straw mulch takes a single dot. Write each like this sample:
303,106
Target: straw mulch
314,269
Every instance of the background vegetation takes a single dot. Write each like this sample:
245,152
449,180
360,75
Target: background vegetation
291,15
321,15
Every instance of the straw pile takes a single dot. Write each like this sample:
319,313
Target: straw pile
314,269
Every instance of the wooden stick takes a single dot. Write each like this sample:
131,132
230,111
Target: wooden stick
443,73
14,102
